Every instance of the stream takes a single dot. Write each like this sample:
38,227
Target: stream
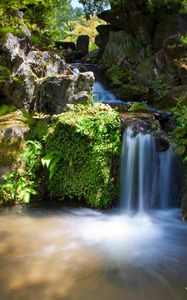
85,254
137,252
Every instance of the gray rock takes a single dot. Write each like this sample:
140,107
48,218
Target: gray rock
55,92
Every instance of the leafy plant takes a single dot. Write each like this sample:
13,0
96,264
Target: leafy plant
5,109
160,86
50,161
20,184
179,134
87,142
117,75
138,107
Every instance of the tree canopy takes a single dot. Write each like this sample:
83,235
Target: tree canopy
46,19
129,5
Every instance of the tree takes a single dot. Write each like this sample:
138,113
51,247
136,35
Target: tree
131,5
45,18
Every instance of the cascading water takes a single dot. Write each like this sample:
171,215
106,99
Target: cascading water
145,172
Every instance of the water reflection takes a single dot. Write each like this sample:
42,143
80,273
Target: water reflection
84,254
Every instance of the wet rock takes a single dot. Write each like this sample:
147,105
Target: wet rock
161,140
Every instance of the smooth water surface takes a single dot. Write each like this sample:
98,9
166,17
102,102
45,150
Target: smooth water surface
84,254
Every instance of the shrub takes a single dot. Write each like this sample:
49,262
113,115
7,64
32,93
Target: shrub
87,142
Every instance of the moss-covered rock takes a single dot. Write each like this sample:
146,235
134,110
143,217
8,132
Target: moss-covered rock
12,135
87,142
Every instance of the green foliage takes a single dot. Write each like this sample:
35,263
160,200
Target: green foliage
160,87
5,109
179,135
50,161
92,6
184,39
46,19
20,184
138,107
86,141
118,76
4,73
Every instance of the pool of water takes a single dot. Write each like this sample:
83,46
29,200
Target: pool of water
85,254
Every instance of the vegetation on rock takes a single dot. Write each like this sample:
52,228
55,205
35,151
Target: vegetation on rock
87,142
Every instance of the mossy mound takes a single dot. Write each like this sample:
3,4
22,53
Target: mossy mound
88,142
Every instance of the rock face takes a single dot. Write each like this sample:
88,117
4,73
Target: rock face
149,48
40,80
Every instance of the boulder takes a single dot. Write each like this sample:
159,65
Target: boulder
170,25
40,79
102,39
83,44
118,19
55,92
13,131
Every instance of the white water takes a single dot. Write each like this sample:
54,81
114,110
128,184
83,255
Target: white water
146,175
84,254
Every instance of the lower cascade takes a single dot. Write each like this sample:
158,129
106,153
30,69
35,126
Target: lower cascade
146,174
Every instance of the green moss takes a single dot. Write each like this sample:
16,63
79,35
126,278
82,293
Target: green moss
88,140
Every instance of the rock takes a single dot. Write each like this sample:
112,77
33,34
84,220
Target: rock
13,131
118,19
171,98
83,44
126,53
142,26
55,92
170,25
44,63
103,37
177,52
41,81
12,49
82,90
161,140
65,45
92,56
130,92
20,87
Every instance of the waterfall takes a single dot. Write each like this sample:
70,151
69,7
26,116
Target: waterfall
145,173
